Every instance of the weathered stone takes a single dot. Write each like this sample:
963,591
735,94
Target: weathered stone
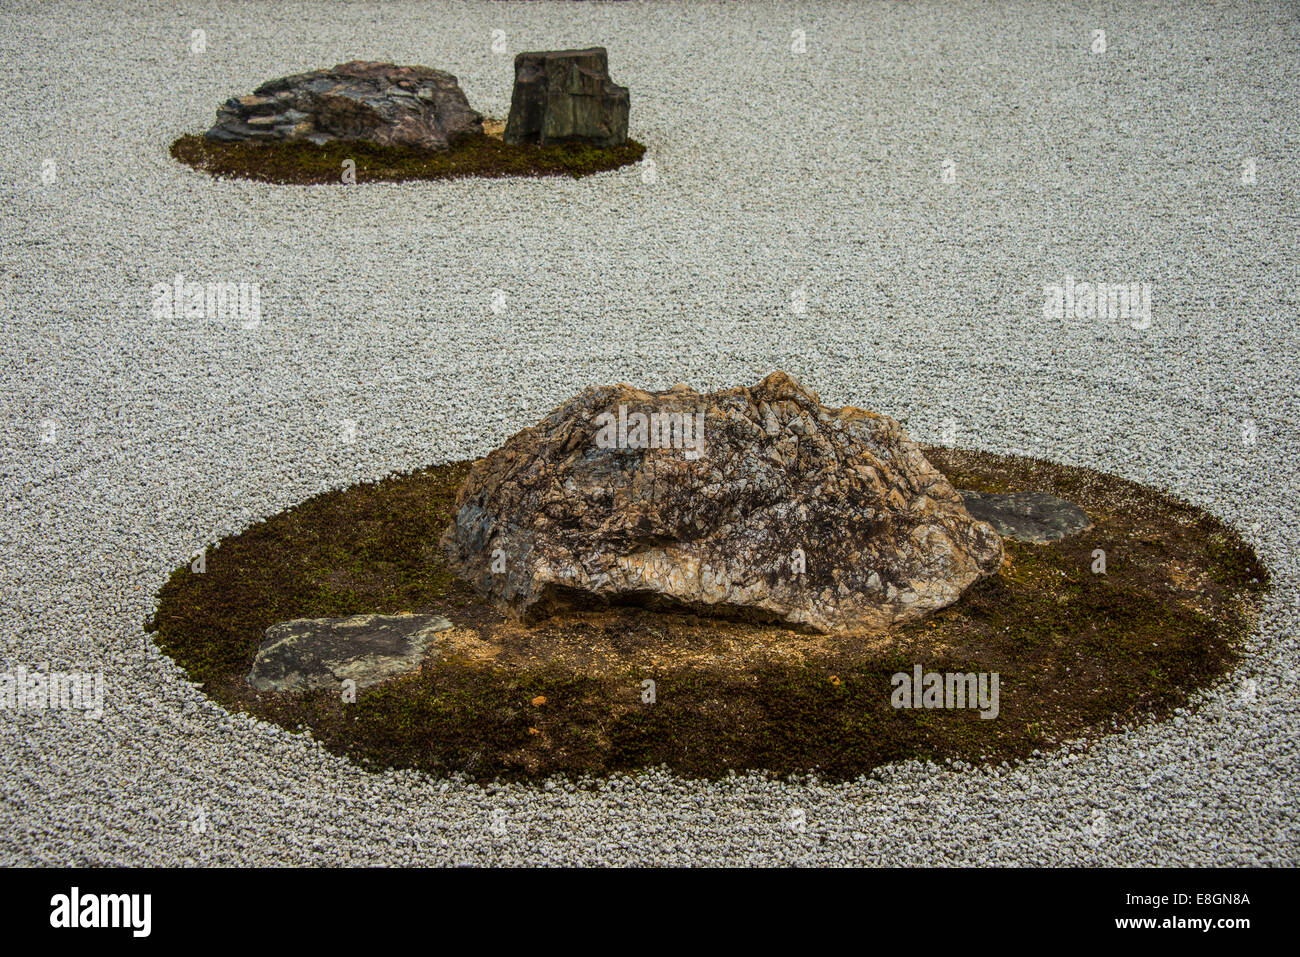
562,95
313,653
1028,516
376,102
753,502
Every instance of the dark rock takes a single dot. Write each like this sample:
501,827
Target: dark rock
1028,516
375,102
313,653
564,95
751,502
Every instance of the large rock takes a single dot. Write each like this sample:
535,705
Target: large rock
755,502
376,102
564,95
308,654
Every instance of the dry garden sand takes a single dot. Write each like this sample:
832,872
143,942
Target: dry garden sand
895,203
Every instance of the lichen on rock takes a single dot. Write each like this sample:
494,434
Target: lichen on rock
752,502
308,654
382,103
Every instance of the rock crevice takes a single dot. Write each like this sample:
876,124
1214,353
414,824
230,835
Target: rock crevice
562,95
758,502
380,103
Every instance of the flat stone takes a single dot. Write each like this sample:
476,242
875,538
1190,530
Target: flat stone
254,104
309,654
1028,516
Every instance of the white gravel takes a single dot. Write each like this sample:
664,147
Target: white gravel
778,174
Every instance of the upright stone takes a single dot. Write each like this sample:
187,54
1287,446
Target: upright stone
563,95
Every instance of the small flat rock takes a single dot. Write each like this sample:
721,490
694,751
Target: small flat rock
309,654
1027,516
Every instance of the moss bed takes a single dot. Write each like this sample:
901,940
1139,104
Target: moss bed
1078,653
486,156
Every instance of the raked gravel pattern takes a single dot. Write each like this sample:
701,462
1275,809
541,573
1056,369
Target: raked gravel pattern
869,196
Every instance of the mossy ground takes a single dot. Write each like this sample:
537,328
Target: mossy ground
1077,652
485,156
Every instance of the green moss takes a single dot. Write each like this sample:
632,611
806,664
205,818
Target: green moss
1076,652
306,163
370,548
1232,561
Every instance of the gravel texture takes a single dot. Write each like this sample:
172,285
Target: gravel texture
798,217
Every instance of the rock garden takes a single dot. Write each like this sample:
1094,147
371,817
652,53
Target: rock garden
739,580
379,122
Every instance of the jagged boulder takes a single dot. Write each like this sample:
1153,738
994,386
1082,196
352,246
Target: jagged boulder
562,95
375,102
752,502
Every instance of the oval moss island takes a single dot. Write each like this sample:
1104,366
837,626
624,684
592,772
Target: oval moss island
1080,646
487,156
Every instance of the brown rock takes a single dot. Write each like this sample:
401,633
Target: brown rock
753,502
375,102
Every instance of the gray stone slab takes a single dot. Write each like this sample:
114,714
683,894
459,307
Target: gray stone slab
312,653
1027,516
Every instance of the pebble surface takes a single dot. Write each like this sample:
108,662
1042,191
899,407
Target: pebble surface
870,197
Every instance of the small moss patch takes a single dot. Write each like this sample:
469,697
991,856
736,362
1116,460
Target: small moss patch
487,156
1077,651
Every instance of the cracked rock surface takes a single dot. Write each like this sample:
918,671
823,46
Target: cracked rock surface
379,102
562,95
748,501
